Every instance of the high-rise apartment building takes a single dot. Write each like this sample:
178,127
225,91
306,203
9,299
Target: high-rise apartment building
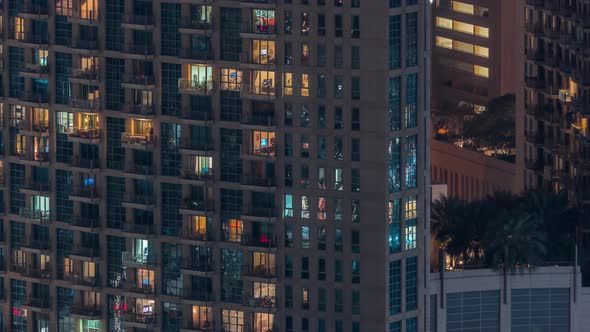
475,54
555,103
214,165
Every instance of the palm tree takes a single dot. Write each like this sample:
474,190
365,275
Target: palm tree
516,239
559,220
446,215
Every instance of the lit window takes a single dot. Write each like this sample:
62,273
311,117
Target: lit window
463,7
481,71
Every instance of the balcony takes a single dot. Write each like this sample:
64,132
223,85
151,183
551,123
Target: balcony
196,53
84,311
35,71
86,46
193,175
142,170
197,208
261,241
33,11
259,182
35,215
145,142
263,302
83,253
197,146
138,22
86,223
200,88
36,187
259,92
139,109
145,290
139,320
33,158
196,115
139,201
140,50
84,75
85,194
189,25
85,163
254,31
254,213
36,246
38,303
197,267
198,295
259,121
84,135
36,98
260,272
85,17
81,280
138,261
138,229
32,272
138,81
188,325
37,128
84,105
534,83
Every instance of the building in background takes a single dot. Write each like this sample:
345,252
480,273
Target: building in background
547,298
214,165
474,54
475,59
555,103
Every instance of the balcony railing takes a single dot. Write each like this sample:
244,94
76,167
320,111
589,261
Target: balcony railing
36,245
201,266
36,97
36,126
143,199
197,144
196,294
139,49
260,271
86,192
139,79
145,289
197,87
84,133
34,214
198,205
81,280
191,23
85,74
146,139
263,212
198,326
139,229
140,169
264,120
33,9
141,259
139,109
34,156
40,302
85,104
258,29
259,241
37,185
86,222
86,44
198,234
83,251
191,174
85,163
138,20
259,181
85,310
196,53
140,318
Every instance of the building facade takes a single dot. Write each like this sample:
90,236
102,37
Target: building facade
214,165
475,53
555,103
545,299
